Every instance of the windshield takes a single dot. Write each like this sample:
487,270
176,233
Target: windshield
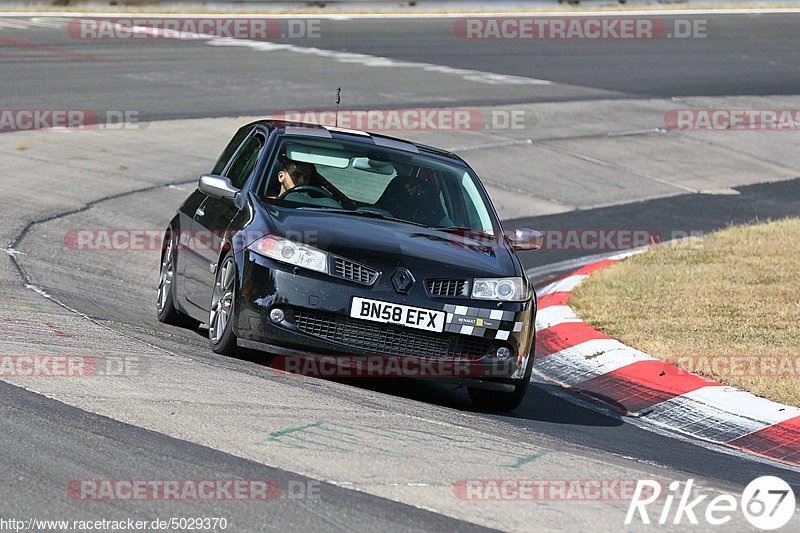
375,181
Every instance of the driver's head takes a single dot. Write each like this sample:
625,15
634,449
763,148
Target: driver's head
294,173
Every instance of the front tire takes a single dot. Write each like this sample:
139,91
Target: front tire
165,306
222,315
495,400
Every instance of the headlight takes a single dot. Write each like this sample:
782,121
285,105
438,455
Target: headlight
506,289
291,252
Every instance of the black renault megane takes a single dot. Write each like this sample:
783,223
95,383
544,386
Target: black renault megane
318,241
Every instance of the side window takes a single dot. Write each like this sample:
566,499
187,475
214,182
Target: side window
245,161
222,162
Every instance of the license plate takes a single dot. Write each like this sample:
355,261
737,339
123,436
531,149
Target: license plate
402,315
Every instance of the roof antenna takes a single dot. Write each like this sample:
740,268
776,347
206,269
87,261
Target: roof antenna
338,101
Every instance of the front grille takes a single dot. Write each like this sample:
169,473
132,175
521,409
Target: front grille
390,340
346,269
446,287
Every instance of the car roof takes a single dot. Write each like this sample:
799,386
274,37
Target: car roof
320,130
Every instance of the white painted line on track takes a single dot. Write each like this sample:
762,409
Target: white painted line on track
343,57
535,274
747,405
498,144
385,62
593,358
564,285
357,16
652,426
701,408
555,314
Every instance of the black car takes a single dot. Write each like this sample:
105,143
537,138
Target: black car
317,241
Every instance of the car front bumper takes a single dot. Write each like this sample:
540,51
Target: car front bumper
316,323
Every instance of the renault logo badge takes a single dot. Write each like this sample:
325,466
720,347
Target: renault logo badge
402,280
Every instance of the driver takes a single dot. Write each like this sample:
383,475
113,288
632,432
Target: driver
294,173
297,173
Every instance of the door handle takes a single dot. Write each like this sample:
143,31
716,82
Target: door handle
199,212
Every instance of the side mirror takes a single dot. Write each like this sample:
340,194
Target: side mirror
217,186
523,240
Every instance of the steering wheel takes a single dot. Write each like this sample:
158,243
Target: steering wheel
308,189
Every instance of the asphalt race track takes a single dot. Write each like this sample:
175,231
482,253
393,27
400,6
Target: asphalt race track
361,454
741,55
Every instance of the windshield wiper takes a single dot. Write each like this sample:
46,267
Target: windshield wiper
370,214
465,229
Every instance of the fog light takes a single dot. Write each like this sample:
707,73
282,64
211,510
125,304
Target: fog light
276,315
503,353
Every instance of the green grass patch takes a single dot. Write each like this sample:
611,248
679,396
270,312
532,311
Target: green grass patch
726,306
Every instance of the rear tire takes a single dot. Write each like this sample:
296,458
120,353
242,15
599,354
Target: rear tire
223,314
165,306
495,400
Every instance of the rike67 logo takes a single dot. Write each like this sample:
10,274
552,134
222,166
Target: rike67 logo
767,503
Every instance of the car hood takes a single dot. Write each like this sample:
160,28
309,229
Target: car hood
388,244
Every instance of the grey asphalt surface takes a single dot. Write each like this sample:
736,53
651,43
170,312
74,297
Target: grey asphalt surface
86,280
47,443
58,444
741,55
675,217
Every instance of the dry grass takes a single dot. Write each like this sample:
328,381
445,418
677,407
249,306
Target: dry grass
727,307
